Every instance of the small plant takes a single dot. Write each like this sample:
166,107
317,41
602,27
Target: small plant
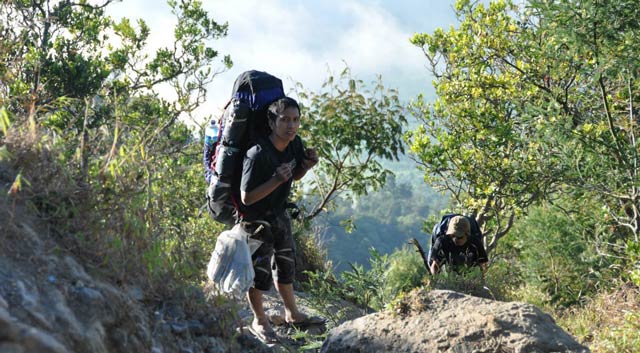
367,288
406,271
324,292
468,280
633,251
312,343
5,122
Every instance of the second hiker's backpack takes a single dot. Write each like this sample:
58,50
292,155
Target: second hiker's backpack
441,228
242,123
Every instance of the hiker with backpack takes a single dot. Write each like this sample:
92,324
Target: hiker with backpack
456,241
268,170
251,156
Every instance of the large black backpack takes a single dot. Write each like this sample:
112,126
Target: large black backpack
441,228
242,123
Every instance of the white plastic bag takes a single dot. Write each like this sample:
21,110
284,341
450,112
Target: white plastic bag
230,266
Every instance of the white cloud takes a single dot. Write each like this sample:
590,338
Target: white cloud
299,40
375,41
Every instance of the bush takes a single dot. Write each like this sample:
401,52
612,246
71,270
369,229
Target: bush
555,256
406,272
469,281
374,289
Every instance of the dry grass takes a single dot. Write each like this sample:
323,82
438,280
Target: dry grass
53,210
415,301
67,212
39,191
609,323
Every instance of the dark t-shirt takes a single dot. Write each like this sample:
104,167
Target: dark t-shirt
260,163
445,251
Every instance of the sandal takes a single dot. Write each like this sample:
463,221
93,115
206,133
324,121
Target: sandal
307,321
266,336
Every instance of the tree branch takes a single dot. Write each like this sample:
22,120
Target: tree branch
609,116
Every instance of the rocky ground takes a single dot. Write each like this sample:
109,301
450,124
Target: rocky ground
51,303
294,339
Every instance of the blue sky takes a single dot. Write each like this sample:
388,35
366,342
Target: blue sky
302,40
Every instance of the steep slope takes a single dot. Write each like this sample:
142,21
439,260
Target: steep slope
51,302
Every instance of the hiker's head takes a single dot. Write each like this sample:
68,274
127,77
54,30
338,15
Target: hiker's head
459,230
284,118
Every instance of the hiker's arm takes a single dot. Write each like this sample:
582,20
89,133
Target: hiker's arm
283,173
483,259
483,266
437,255
434,268
309,161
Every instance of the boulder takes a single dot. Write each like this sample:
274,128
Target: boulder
450,322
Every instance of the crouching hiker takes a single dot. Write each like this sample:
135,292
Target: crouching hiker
268,170
456,242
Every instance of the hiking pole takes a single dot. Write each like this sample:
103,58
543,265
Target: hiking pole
415,242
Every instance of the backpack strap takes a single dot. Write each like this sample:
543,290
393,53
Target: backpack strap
441,227
295,209
438,230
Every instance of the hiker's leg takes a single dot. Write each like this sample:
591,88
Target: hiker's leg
260,325
255,302
262,267
283,264
292,314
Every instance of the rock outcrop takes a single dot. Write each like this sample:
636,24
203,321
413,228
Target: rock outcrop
52,302
446,321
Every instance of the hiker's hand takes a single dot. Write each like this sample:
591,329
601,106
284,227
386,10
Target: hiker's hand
310,159
284,172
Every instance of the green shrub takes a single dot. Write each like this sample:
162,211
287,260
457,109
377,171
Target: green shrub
367,288
406,271
633,252
555,255
388,277
324,292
